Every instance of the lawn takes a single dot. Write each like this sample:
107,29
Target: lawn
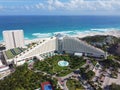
9,54
16,51
50,65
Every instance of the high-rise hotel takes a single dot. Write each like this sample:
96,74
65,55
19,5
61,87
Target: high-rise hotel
13,38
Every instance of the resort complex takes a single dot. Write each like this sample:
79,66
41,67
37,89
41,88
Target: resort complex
56,45
57,63
59,44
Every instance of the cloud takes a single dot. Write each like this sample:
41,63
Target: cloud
27,7
72,4
50,5
84,4
60,5
1,7
40,6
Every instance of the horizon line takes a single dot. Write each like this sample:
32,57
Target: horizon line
58,15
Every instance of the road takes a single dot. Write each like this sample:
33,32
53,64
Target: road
65,86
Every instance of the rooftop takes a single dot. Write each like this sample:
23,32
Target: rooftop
13,52
12,30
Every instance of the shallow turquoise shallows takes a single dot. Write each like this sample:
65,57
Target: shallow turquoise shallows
63,63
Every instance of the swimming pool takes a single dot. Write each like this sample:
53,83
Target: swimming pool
63,63
48,87
30,61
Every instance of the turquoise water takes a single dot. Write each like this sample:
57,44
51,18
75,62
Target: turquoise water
46,26
30,61
63,63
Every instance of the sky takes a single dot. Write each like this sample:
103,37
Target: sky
59,7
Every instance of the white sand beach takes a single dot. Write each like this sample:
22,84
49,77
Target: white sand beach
115,33
27,41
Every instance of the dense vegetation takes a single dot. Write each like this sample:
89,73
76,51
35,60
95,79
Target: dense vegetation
114,87
50,65
102,42
90,74
96,38
74,85
86,75
24,79
115,50
110,63
101,39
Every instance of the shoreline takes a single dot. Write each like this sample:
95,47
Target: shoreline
115,33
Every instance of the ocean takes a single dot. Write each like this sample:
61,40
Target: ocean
46,26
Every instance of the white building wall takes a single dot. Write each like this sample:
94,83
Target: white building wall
4,68
19,38
7,36
13,39
44,47
74,45
69,45
1,63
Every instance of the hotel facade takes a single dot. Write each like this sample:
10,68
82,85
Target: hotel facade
13,39
53,45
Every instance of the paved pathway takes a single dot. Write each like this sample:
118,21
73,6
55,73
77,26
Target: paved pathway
65,86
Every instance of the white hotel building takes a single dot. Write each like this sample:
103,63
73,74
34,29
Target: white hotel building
65,44
13,38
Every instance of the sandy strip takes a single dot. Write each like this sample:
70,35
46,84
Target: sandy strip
35,40
115,33
27,41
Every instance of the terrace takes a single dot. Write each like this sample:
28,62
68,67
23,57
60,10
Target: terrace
13,52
